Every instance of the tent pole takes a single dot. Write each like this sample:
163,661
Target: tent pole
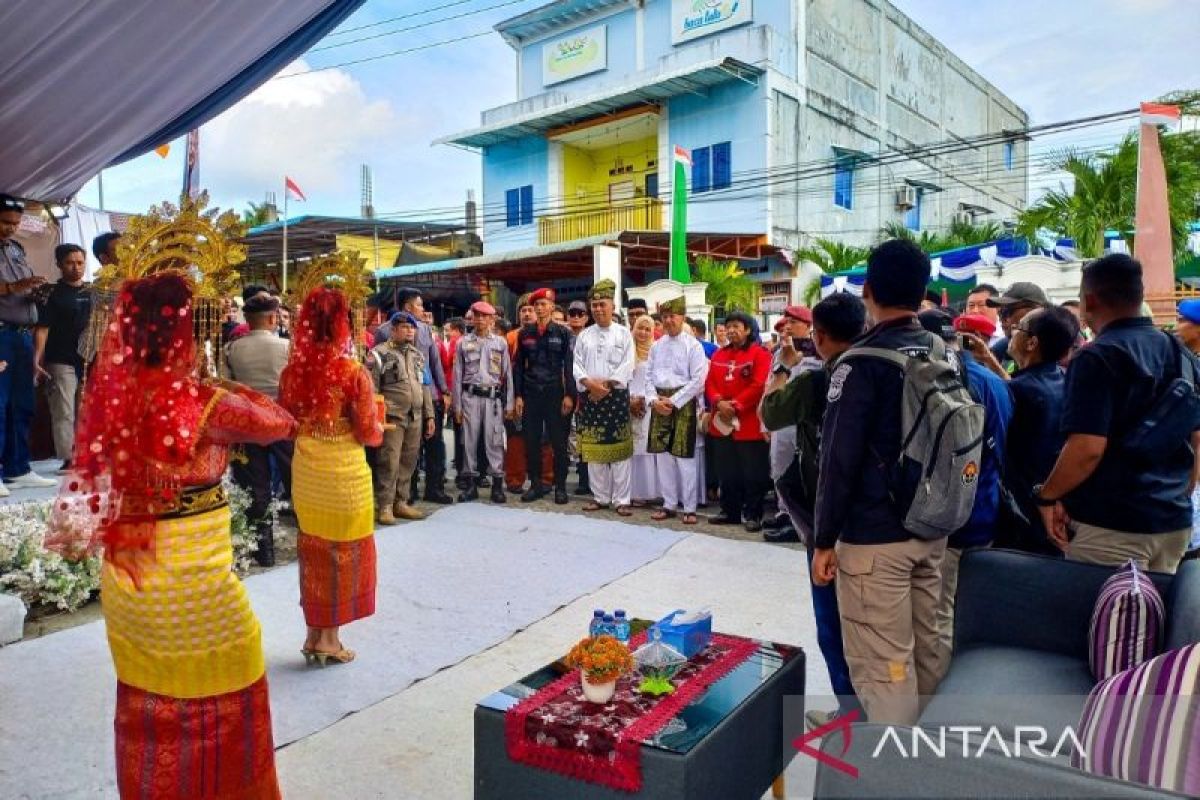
285,232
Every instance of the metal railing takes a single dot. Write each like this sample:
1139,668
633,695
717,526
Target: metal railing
640,214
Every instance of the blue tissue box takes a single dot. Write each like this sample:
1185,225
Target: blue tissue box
688,639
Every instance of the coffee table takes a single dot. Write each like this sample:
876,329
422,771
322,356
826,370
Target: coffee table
729,743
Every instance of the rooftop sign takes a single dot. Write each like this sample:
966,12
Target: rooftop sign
691,19
580,53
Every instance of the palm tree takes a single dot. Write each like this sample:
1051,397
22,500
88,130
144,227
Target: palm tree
258,214
729,288
829,257
1104,194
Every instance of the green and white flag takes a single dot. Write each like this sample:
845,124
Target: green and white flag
679,263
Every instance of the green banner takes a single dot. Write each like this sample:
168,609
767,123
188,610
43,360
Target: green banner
679,262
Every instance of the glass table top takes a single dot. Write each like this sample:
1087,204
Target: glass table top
693,723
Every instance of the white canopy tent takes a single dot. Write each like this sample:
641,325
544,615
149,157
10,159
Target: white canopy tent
90,83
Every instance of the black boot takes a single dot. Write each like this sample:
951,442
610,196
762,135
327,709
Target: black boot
265,554
560,495
471,492
535,492
585,486
498,495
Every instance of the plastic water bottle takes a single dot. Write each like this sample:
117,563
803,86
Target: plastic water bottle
622,625
609,626
594,628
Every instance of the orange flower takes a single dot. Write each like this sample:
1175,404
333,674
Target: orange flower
601,658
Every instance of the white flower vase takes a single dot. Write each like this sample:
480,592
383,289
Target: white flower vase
599,693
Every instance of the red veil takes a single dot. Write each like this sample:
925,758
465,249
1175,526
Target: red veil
140,421
311,385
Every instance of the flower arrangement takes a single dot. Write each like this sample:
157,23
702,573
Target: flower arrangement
42,577
601,659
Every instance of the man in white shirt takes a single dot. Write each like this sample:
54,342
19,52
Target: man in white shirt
676,376
603,365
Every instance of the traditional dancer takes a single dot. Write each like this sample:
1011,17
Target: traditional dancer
644,477
676,378
603,365
483,397
192,717
334,400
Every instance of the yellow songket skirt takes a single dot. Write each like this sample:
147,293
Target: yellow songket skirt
335,509
193,717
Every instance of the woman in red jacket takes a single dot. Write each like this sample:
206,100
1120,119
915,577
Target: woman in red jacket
737,376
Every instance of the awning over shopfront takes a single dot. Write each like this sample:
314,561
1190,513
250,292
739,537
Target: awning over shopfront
90,84
643,253
648,91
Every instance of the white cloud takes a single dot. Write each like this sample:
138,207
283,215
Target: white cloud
314,126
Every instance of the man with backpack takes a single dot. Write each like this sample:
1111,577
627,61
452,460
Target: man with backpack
1122,483
900,452
799,403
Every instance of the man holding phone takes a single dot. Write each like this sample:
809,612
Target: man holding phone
795,354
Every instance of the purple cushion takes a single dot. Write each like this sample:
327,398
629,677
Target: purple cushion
1127,623
1143,724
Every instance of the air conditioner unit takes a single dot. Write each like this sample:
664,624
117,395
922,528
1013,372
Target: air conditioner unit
906,196
963,217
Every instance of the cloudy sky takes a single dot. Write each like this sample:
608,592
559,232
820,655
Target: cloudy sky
1058,59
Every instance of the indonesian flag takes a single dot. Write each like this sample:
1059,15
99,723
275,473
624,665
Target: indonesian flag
683,155
293,189
163,150
1160,114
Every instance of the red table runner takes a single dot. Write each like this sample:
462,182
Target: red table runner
558,730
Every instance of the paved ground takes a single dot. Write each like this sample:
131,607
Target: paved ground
416,741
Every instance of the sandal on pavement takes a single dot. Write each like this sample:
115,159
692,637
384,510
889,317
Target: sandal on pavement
689,519
593,506
624,511
662,514
342,656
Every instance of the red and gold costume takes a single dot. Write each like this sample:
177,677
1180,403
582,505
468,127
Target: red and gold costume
192,715
333,398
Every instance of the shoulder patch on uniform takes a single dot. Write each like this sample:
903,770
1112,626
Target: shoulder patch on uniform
837,381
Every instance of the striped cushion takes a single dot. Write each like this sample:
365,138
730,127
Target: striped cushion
1127,623
1143,724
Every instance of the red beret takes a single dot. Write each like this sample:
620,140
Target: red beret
780,324
483,307
801,313
545,293
975,323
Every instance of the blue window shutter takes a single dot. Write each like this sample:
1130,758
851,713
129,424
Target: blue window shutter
701,175
652,185
912,217
722,166
527,205
1009,153
843,184
512,200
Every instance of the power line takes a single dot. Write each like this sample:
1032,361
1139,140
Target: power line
428,24
410,15
405,51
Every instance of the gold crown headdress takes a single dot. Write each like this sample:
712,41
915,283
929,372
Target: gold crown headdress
345,270
190,239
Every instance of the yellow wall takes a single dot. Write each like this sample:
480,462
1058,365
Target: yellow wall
585,172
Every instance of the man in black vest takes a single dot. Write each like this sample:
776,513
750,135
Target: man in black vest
545,388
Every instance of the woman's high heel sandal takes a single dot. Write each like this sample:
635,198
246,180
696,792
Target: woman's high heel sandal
342,656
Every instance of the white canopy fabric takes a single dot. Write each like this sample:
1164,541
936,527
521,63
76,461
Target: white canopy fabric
88,83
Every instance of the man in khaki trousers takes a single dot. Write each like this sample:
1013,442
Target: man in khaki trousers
888,581
398,369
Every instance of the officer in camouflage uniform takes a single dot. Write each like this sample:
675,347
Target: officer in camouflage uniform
483,397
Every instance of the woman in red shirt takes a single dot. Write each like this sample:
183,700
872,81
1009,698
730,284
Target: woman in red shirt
737,375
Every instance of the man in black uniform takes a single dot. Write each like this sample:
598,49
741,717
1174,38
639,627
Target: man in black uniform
545,388
888,580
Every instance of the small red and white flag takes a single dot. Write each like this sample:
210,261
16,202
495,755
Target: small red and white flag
1160,114
683,155
293,188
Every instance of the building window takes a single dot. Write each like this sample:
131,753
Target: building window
912,217
843,183
518,205
652,185
722,168
701,169
712,167
1010,151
